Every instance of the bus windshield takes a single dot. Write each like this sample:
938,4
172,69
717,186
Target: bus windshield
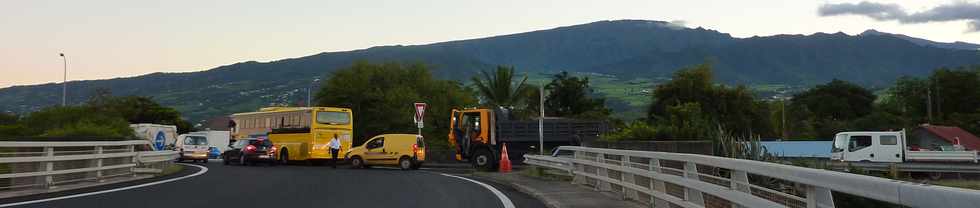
333,118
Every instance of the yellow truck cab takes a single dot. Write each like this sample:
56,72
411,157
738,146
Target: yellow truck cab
407,151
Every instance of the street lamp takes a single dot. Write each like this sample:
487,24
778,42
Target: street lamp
64,84
309,93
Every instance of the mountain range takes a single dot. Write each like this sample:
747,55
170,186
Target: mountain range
633,48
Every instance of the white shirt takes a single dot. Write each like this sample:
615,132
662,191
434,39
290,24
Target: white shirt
334,143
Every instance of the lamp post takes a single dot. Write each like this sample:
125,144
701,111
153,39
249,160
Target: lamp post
541,120
64,83
309,92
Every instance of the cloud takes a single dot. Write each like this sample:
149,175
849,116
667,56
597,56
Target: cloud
956,11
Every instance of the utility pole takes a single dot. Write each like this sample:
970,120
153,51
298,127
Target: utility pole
541,121
64,83
784,118
929,103
309,93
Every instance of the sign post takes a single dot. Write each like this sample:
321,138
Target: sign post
419,114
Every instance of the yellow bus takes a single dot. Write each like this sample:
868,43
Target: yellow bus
299,133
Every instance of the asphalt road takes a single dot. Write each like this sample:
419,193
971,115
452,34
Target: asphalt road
297,186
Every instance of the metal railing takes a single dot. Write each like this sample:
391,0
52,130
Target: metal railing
25,165
687,180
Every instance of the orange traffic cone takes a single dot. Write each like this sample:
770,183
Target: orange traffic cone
504,160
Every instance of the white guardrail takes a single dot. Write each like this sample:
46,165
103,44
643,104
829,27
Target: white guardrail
664,179
25,165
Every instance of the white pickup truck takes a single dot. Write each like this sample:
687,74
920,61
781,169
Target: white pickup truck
891,147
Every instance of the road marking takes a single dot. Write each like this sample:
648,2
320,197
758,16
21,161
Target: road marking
503,198
202,171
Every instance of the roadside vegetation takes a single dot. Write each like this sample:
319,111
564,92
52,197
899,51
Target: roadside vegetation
103,116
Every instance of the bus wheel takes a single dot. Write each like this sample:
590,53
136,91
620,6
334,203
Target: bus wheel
357,162
284,156
935,175
482,160
405,163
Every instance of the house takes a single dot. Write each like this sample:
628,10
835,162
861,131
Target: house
936,137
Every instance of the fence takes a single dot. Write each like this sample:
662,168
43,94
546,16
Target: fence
25,165
704,147
688,180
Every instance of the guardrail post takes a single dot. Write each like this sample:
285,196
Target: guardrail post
134,160
691,173
601,185
657,185
98,164
628,178
818,197
577,179
740,182
48,167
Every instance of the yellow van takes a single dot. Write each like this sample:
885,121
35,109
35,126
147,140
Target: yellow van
407,151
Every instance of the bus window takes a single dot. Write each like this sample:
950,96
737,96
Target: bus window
333,118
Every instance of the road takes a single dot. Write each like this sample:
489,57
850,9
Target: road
298,186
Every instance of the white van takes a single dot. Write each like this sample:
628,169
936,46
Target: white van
193,147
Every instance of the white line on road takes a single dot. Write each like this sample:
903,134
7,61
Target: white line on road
202,171
503,198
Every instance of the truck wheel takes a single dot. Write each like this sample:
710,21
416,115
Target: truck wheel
405,163
284,156
482,160
357,162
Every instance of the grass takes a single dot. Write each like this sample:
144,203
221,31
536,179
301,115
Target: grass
172,169
958,183
545,174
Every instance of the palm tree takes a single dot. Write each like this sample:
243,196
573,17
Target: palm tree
499,89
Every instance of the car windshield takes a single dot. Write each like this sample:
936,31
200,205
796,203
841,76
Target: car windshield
196,140
333,117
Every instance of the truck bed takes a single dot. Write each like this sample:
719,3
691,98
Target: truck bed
555,130
941,156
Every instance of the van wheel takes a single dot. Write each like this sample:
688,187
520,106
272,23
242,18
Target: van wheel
284,156
357,162
405,163
482,160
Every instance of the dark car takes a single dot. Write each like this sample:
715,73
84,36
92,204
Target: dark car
250,151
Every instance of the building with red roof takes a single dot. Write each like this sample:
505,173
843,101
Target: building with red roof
936,137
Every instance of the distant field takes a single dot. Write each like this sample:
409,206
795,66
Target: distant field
631,90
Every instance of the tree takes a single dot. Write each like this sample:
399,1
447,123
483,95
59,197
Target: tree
952,94
827,108
568,96
735,109
381,97
8,118
500,89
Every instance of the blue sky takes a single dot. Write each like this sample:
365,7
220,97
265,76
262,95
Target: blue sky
106,39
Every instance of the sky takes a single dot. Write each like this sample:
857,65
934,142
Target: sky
107,39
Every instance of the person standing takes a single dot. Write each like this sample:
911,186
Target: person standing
334,150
